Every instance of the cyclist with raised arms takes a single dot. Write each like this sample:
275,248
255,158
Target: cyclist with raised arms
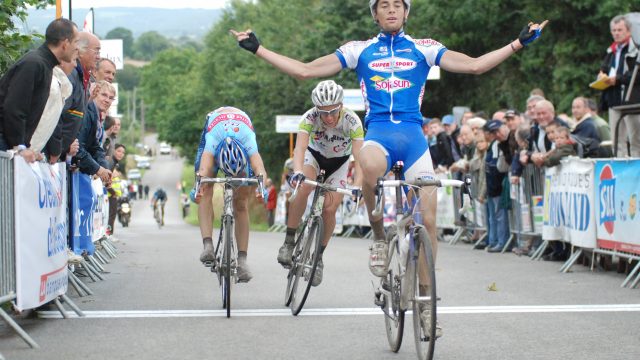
159,196
327,136
228,143
392,69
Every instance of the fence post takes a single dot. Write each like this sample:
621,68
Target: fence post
7,244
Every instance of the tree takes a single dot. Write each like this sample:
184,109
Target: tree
129,77
149,44
127,39
12,43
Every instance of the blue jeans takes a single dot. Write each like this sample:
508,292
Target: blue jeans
498,223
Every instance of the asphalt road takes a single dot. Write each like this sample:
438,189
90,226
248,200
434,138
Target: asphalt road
159,302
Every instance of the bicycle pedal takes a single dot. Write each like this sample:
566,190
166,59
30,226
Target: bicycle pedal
207,263
379,300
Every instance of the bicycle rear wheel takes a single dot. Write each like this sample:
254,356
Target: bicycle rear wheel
226,279
305,265
391,291
425,342
292,270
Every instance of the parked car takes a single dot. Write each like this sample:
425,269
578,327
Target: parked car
134,174
165,149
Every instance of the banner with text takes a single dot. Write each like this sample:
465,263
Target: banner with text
568,203
41,232
617,191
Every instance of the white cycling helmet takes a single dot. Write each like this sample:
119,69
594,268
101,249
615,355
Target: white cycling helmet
327,93
231,157
372,6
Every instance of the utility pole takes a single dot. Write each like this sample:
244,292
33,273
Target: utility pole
142,119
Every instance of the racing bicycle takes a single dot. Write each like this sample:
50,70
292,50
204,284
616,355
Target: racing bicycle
226,255
409,243
306,251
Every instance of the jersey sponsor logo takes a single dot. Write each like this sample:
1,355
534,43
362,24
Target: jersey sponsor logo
427,42
390,84
230,117
392,64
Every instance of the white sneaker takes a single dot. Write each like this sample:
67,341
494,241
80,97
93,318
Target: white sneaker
73,257
378,258
425,319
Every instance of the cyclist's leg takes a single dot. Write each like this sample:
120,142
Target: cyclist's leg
162,209
374,164
205,208
296,210
241,217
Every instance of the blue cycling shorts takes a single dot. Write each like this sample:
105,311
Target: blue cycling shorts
404,142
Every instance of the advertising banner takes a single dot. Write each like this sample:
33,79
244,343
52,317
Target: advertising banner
100,210
569,207
446,215
41,232
354,216
84,203
617,189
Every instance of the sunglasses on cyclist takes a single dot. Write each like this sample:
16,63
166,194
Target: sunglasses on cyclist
330,112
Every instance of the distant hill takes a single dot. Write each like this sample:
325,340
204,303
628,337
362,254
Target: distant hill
171,23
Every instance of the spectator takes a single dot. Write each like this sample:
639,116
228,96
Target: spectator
141,189
111,131
467,148
564,147
105,70
146,192
118,154
585,126
513,121
271,202
540,142
618,66
499,115
452,129
530,114
537,92
91,157
465,117
496,212
476,124
479,177
442,153
26,86
604,132
75,107
425,128
61,89
114,192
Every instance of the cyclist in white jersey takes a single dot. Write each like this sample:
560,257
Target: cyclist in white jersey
391,70
328,134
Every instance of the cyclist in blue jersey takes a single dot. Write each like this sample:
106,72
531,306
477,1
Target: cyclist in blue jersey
228,143
391,69
159,196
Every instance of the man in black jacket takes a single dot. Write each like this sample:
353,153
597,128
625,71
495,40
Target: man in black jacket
618,66
24,89
443,147
73,112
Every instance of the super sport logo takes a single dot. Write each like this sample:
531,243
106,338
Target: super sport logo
392,64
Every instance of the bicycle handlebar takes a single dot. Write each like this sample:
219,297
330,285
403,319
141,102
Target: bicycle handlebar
320,185
377,211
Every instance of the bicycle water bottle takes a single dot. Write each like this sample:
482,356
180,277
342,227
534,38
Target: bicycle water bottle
404,250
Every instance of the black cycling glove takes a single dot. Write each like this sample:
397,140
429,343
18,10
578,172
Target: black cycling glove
526,37
251,43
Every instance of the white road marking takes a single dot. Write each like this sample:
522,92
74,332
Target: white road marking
453,310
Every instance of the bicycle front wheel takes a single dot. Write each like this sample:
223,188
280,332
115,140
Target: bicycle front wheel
424,305
391,293
292,270
305,265
227,255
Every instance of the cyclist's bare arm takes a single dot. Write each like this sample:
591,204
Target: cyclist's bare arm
258,165
324,66
302,142
457,62
356,145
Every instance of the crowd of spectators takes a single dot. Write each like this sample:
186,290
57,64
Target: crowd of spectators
54,104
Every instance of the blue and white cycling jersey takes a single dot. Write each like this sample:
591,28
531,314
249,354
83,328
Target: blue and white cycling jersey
222,123
392,70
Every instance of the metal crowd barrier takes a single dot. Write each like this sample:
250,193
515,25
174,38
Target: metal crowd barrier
7,244
522,214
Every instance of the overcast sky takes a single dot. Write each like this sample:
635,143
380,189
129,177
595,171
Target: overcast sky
171,4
